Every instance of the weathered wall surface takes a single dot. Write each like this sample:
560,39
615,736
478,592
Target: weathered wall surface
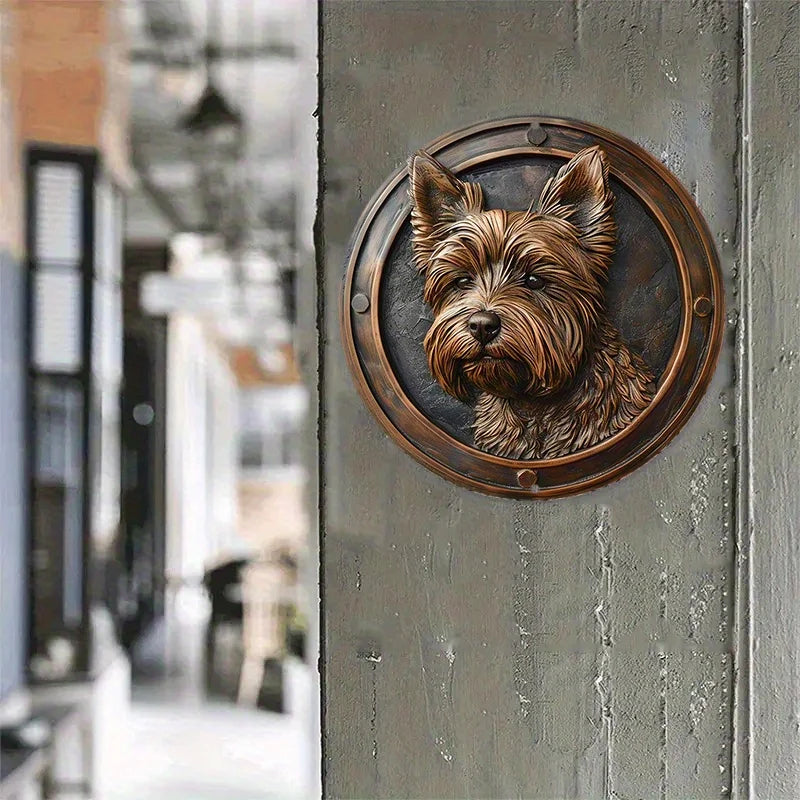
770,410
577,648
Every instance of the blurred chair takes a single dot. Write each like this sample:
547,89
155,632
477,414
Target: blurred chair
268,596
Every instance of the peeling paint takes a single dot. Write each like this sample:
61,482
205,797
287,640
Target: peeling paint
699,599
669,73
524,703
449,562
444,750
602,681
373,724
702,469
663,676
663,585
372,656
437,664
698,704
725,474
787,357
665,515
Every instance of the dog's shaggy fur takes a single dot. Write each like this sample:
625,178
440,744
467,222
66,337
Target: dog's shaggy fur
519,311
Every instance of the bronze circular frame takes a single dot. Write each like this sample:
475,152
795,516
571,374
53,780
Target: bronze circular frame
688,372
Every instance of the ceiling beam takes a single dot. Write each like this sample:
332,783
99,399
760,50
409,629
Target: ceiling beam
269,51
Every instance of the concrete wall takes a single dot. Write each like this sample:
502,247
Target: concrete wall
586,647
769,411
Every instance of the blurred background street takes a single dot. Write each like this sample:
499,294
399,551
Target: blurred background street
158,572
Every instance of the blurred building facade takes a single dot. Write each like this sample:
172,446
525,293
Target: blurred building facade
158,192
65,163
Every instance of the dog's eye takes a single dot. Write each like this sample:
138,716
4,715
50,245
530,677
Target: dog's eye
534,281
464,282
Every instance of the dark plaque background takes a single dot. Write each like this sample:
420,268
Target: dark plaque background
643,294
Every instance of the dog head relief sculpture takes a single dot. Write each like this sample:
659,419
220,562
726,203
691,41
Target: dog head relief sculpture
520,329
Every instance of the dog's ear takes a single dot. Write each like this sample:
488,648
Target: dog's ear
580,194
438,200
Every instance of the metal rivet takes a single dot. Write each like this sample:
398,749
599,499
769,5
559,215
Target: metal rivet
359,303
536,133
702,306
527,478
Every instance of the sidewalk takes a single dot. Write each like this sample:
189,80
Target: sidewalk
183,747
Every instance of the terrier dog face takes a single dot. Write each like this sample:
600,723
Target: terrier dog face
516,295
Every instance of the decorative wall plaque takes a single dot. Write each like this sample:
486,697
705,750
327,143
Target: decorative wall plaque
533,307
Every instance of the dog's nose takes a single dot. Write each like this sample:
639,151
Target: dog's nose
484,326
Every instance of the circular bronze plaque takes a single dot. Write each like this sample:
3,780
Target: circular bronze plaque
547,318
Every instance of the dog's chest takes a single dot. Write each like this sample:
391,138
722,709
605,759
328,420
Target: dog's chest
553,432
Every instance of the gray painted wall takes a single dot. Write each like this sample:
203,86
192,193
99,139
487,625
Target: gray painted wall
586,647
769,414
13,555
